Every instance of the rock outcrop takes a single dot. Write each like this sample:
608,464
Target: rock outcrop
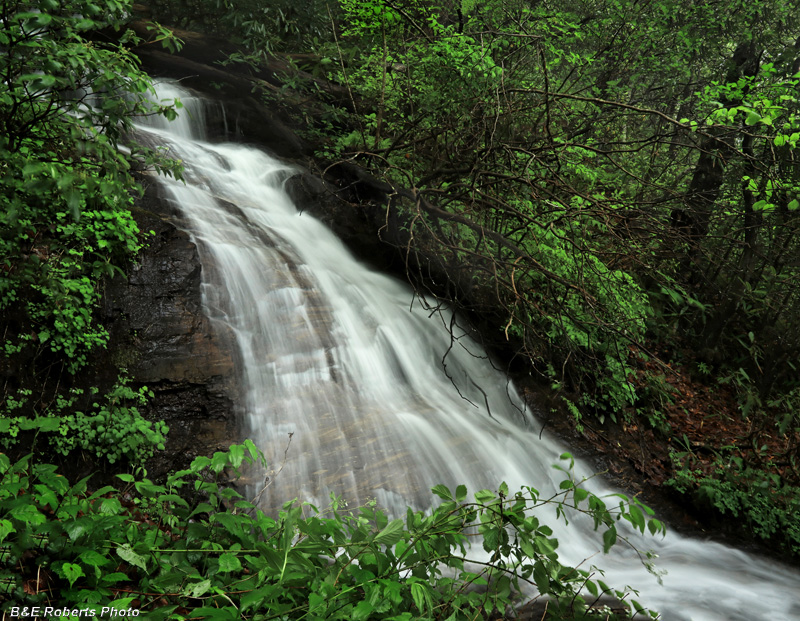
161,336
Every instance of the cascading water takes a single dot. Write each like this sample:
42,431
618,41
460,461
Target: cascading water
380,400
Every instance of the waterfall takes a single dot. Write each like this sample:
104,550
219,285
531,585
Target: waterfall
382,399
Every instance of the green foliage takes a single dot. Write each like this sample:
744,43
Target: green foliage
637,162
597,335
218,557
67,102
758,498
65,188
112,430
262,27
754,297
451,104
419,74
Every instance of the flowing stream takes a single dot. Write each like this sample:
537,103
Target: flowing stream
380,400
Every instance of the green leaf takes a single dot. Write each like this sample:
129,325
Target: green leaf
609,539
364,609
580,494
752,118
391,534
72,572
203,507
47,423
232,523
491,537
442,492
6,528
197,589
655,526
637,517
75,529
252,449
484,496
541,577
258,597
229,562
421,596
110,506
200,462
545,546
218,462
114,577
237,454
127,554
28,514
644,507
95,559
527,548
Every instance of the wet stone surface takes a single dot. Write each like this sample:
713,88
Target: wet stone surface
161,336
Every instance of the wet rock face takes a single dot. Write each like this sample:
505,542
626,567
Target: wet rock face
160,334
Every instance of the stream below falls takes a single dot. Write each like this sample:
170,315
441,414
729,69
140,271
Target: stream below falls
381,401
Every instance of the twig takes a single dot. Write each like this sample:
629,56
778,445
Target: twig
268,480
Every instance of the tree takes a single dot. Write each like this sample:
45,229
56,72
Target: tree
566,129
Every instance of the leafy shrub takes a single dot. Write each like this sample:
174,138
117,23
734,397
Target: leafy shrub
587,311
760,501
65,188
218,557
112,430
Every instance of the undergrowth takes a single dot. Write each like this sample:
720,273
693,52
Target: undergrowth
760,501
193,548
112,428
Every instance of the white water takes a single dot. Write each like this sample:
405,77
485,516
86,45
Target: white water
345,360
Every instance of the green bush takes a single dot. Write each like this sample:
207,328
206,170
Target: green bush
218,557
65,188
67,102
112,430
762,503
